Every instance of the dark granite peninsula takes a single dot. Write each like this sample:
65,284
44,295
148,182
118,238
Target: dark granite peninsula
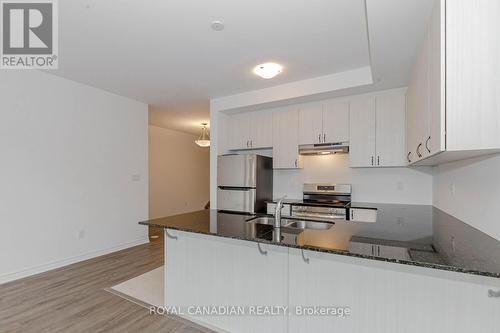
394,271
415,235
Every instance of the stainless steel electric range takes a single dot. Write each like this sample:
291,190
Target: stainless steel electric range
323,201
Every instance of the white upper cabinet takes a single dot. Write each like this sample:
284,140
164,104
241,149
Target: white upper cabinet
377,130
261,129
310,123
390,129
456,79
286,139
472,74
250,130
336,121
325,122
362,141
238,131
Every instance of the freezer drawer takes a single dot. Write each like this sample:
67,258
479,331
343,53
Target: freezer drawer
236,200
237,170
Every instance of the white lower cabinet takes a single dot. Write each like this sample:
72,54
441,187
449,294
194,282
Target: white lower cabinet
203,270
384,298
212,271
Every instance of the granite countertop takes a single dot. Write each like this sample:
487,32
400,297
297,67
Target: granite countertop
410,227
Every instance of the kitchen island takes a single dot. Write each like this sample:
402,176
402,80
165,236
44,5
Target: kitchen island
221,259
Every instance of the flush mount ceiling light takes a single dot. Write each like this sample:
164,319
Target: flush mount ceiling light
217,25
268,70
204,139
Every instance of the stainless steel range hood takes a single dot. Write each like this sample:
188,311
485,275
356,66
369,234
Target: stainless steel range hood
324,148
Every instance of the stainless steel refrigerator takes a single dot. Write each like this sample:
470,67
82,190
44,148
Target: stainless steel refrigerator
244,183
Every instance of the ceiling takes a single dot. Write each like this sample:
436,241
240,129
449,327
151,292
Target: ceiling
164,53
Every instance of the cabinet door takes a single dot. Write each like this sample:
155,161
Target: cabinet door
310,123
418,105
362,132
384,299
211,271
286,139
472,74
336,121
390,129
238,130
261,129
435,141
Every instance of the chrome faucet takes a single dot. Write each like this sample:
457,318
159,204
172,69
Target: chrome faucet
277,212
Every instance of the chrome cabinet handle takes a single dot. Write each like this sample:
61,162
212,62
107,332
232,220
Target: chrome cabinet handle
319,138
372,160
418,150
378,248
324,138
251,143
408,157
352,215
295,162
427,144
247,143
170,236
306,260
373,250
264,253
493,294
378,160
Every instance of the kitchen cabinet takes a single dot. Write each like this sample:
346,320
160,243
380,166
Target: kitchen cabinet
311,123
286,139
371,248
384,300
250,130
261,129
390,129
453,100
325,122
336,121
362,148
204,270
238,131
377,130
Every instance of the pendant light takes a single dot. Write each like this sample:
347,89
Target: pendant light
204,139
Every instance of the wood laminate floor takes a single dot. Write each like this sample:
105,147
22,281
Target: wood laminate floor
73,299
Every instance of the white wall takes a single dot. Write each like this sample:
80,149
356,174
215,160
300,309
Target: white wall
178,173
73,172
381,185
470,191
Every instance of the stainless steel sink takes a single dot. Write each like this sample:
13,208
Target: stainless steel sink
295,224
262,220
309,225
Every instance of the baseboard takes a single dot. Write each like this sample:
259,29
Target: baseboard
68,261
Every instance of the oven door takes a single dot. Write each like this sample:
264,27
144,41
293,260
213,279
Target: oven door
236,199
